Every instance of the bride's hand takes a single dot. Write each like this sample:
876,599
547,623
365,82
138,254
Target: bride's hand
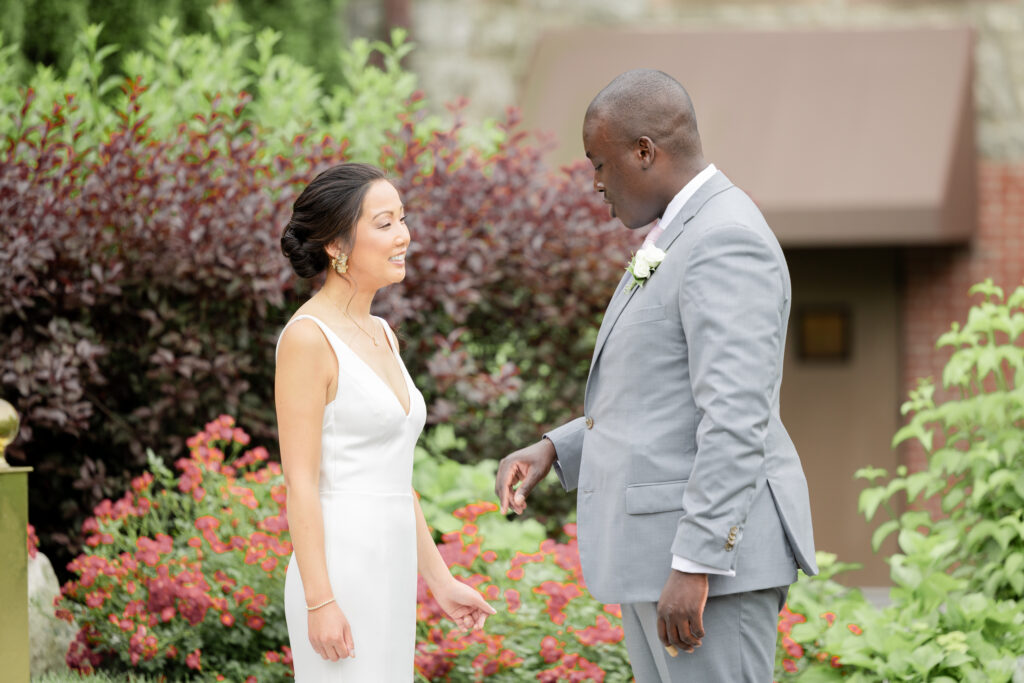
463,604
330,634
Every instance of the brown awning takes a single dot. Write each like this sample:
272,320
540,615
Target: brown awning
842,137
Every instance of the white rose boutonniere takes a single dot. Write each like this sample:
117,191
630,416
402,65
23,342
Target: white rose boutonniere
643,265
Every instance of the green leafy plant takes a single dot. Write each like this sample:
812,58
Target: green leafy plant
975,447
180,74
957,611
445,485
46,29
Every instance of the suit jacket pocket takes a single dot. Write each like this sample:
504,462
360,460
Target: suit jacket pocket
647,314
645,499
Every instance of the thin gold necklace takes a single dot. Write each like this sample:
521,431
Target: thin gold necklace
344,312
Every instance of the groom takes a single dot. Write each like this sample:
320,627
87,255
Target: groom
692,504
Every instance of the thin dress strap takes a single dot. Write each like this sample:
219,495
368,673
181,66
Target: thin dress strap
392,339
328,334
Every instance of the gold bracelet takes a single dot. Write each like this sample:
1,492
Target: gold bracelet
322,604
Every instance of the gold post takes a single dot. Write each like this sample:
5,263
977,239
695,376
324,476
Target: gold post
9,425
14,646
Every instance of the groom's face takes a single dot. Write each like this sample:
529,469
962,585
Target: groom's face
619,173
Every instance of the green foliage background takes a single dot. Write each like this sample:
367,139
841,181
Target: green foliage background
312,30
956,605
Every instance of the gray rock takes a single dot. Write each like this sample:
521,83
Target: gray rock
48,636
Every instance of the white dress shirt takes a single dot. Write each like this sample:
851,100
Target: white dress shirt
683,196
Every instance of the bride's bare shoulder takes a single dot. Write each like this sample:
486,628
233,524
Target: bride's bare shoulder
302,335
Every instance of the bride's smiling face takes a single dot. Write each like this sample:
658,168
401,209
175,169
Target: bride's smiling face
381,238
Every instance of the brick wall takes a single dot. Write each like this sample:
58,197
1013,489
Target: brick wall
936,280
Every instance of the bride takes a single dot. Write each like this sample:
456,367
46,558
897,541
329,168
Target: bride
348,418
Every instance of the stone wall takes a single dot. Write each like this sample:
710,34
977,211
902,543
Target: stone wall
481,49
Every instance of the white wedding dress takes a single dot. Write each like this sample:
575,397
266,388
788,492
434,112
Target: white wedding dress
369,525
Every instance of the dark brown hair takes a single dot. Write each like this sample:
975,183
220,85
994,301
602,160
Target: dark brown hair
326,211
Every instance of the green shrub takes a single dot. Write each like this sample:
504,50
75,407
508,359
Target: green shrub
75,677
957,611
46,29
975,447
181,76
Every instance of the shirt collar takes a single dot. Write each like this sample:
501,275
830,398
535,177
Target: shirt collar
684,195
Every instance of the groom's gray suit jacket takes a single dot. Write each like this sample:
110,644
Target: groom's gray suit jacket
681,449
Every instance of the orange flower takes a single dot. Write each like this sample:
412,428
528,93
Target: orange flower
792,648
473,510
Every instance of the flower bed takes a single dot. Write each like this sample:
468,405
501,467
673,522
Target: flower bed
548,628
184,574
184,577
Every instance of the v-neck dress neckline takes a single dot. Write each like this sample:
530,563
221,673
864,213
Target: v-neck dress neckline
393,345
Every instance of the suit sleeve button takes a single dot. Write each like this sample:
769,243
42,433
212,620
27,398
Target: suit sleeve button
590,423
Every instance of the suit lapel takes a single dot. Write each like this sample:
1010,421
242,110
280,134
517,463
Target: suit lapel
716,184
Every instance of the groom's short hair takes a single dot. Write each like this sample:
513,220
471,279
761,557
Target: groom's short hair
652,103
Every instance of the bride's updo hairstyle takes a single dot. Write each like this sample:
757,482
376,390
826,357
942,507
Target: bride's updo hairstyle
326,212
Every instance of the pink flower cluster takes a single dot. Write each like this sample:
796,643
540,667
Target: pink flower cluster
175,562
536,604
795,651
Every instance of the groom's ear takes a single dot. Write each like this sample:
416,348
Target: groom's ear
645,150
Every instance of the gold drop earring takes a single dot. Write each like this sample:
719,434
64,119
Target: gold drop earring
340,263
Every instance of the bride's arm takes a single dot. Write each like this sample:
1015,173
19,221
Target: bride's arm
462,603
304,360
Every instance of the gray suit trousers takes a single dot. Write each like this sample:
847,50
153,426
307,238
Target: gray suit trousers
738,646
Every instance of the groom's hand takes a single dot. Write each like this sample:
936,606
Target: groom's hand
527,467
681,610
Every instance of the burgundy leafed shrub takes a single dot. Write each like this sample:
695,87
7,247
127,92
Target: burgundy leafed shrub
144,290
510,271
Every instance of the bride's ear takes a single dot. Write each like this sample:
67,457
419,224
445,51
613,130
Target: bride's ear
336,248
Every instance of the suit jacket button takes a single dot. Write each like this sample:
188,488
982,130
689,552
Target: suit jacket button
590,423
728,547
